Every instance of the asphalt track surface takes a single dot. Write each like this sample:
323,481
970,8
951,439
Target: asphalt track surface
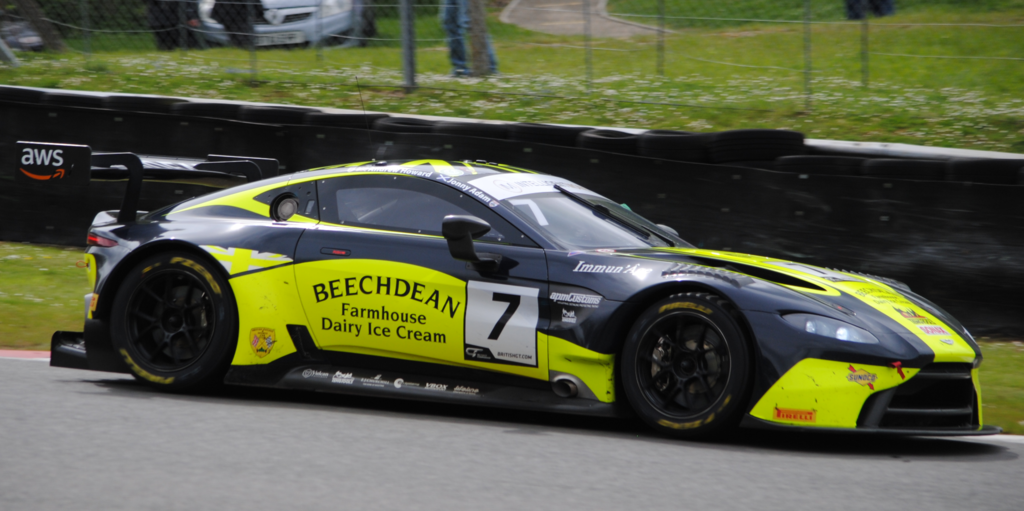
80,440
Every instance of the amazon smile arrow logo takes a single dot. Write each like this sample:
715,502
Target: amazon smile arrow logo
57,174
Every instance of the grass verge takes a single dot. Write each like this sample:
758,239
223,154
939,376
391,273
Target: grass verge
749,76
41,290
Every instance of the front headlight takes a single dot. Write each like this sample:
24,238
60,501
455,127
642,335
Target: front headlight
333,7
832,328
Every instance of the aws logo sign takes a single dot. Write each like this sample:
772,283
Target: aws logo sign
53,163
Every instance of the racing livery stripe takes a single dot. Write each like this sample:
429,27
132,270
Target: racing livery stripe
241,260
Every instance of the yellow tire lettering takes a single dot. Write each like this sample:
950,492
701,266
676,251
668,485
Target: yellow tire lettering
680,425
198,268
148,268
144,373
685,305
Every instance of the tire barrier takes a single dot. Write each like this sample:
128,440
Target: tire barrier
72,99
958,243
275,114
404,125
608,140
205,109
997,172
472,129
674,145
158,105
930,170
357,121
820,165
545,133
753,145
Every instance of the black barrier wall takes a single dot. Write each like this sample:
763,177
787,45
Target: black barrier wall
959,244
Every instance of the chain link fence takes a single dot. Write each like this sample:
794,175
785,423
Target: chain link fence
575,45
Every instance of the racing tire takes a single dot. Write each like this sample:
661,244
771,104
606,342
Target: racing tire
351,121
472,129
404,125
685,366
613,141
174,322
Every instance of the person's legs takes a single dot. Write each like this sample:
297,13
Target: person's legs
855,9
883,7
450,15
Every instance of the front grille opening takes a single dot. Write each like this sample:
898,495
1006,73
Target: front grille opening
941,396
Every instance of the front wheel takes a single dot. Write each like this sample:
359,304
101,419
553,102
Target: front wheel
685,366
174,322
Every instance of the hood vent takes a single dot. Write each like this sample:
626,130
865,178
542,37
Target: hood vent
761,273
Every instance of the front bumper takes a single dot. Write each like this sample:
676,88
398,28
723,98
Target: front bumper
828,395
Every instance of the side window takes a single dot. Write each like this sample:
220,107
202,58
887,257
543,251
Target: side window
405,204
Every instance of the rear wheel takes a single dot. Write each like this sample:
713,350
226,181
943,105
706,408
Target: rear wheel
174,322
685,366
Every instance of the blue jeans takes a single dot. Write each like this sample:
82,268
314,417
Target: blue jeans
855,8
454,15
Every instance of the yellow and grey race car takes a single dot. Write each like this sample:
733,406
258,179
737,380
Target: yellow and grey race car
486,284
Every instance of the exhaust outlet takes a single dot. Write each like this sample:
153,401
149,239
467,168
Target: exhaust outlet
564,387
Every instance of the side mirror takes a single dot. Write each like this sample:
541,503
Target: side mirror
460,231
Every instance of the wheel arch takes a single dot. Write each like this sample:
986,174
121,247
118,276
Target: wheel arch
113,282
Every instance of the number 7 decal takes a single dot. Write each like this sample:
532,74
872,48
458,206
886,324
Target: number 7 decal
501,323
513,304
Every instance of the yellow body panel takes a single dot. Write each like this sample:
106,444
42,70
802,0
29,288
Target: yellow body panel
825,393
596,370
977,393
346,303
267,301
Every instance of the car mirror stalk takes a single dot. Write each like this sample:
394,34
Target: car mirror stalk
460,231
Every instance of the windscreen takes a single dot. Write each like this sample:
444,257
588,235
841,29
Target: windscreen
576,218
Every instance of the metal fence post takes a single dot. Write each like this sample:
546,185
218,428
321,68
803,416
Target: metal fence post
320,31
588,57
864,43
182,28
807,55
408,20
661,38
83,8
250,7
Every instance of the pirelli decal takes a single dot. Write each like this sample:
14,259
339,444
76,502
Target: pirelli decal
241,260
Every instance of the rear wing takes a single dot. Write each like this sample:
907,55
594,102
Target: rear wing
69,166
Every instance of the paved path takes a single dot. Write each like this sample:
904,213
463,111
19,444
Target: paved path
565,17
80,440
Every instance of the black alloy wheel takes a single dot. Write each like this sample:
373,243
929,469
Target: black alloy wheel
685,366
174,322
170,319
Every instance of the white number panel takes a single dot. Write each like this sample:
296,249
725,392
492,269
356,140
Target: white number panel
501,323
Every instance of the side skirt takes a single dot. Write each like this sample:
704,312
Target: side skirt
323,377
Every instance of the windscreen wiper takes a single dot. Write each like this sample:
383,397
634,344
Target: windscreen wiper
638,229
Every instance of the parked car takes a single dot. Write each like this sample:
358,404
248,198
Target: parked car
19,35
278,22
